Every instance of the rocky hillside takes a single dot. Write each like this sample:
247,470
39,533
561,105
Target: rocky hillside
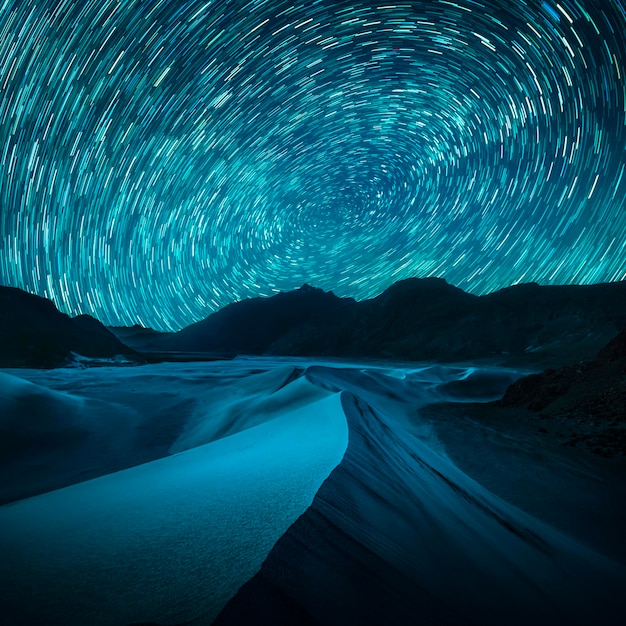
586,402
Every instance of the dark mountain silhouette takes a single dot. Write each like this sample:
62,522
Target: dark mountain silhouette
253,326
418,319
34,333
588,400
137,337
414,319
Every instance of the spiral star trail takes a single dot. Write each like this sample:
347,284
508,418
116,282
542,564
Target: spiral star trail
162,158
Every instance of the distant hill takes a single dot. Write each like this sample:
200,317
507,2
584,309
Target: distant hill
137,337
417,319
34,333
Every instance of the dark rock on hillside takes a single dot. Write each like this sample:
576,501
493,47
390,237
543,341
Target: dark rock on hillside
615,350
555,389
587,402
34,333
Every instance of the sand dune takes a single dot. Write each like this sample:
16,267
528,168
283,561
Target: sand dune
49,439
320,489
174,537
398,534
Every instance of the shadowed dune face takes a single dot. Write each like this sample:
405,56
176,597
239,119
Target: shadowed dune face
288,492
54,438
111,420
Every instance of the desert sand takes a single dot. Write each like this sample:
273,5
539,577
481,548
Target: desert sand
269,491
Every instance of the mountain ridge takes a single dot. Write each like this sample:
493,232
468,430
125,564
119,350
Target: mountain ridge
417,319
413,320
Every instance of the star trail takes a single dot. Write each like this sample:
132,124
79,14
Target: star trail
162,158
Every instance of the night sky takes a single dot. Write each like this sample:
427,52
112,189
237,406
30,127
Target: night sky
162,158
